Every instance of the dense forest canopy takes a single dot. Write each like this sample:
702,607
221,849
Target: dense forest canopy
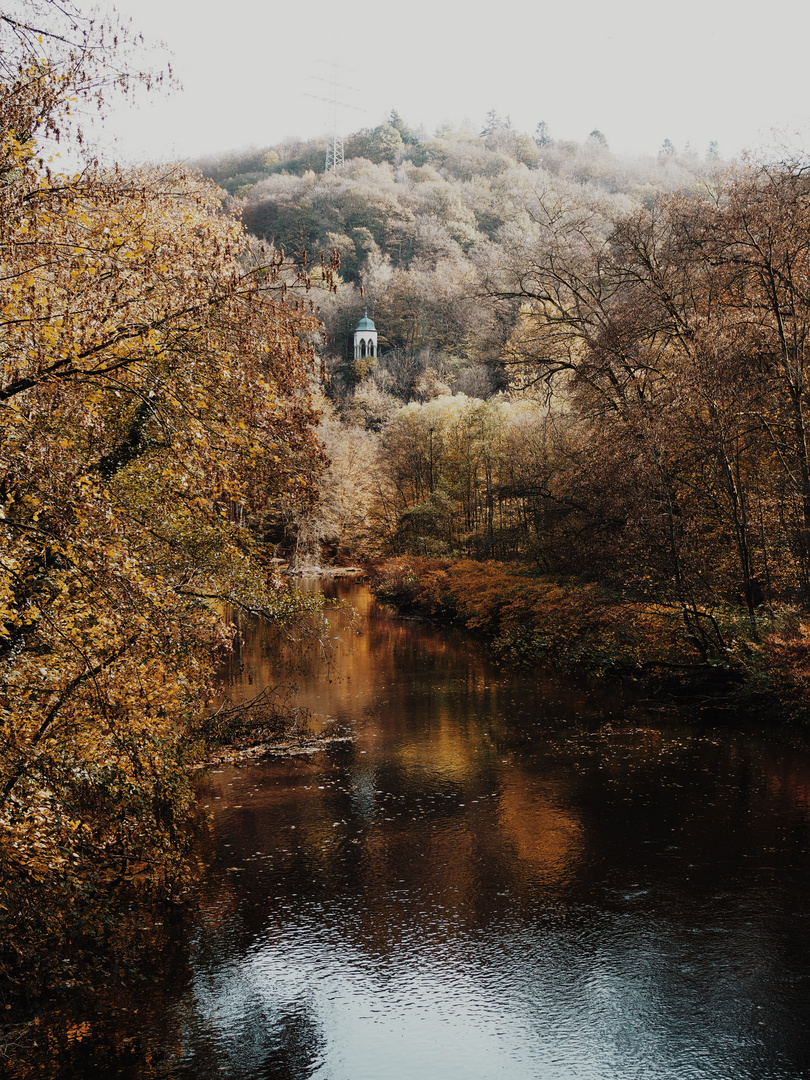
407,214
587,361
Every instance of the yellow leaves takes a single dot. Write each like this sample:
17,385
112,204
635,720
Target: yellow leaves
79,1032
125,313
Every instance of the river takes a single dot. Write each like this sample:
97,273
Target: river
503,876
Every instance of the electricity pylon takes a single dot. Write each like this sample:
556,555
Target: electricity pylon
334,148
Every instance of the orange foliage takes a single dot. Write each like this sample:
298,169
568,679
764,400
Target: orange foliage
530,619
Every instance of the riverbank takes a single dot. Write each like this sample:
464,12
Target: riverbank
527,619
288,747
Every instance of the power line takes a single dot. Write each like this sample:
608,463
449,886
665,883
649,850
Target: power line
334,148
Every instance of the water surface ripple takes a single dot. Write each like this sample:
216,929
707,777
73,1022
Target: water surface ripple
502,876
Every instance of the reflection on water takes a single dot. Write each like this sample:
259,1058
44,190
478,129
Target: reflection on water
501,877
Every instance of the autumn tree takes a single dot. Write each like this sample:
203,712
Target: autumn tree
675,333
336,527
621,317
154,402
461,475
756,240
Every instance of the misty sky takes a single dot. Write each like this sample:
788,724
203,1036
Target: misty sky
252,72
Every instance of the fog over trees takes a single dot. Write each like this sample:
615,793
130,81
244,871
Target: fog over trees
589,362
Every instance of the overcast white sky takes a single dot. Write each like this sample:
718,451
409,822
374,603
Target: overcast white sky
639,70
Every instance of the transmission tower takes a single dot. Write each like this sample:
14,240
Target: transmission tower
334,148
334,152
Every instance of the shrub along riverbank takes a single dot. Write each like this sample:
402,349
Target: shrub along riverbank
527,620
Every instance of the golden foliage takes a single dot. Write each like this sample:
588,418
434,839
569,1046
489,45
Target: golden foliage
154,394
530,619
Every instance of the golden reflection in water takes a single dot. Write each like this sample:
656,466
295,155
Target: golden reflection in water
432,702
447,834
545,836
444,749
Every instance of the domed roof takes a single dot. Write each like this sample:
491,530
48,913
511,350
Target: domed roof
365,324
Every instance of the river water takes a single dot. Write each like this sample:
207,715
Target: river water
502,876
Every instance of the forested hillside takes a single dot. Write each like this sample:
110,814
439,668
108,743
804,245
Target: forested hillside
408,214
593,364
